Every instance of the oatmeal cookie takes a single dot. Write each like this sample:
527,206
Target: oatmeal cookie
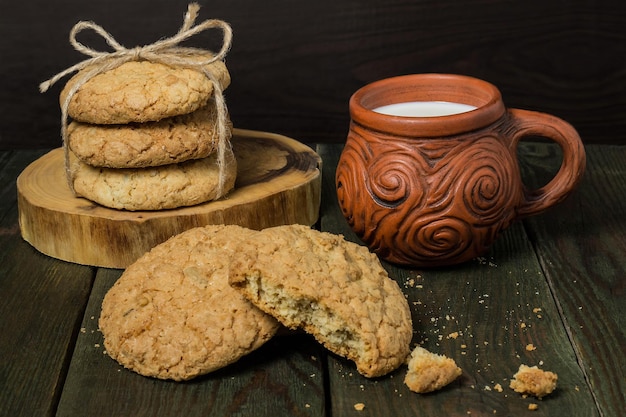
334,289
139,145
173,315
142,91
156,188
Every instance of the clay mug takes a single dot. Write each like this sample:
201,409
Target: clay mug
437,188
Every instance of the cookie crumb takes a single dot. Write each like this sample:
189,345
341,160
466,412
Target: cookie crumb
533,406
530,347
359,406
429,372
533,381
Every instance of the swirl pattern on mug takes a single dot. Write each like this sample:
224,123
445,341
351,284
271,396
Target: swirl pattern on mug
434,201
392,179
351,191
483,194
442,236
390,182
421,239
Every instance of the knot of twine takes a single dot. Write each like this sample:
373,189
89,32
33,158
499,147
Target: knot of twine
165,51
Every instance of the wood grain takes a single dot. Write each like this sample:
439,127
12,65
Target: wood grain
38,317
278,182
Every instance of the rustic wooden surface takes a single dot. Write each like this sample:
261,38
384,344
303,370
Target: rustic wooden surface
42,302
278,182
294,64
568,262
582,251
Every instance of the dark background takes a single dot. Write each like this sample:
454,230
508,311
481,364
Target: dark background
295,63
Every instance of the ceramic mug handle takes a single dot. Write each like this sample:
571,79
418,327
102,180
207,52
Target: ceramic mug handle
529,123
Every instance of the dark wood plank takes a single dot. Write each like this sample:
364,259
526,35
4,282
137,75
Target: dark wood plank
283,377
582,249
41,304
492,303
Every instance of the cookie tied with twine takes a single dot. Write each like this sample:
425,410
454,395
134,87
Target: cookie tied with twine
166,51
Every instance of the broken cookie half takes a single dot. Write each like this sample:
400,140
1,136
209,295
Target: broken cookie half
333,289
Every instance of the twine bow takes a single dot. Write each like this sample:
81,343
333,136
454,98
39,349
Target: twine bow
166,51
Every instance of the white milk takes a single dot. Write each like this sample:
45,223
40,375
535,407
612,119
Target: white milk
424,108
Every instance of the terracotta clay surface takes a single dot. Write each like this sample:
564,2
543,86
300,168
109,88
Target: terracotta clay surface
431,191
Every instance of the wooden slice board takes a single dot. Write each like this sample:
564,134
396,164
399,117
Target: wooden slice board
278,182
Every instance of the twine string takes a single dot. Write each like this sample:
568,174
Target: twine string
165,51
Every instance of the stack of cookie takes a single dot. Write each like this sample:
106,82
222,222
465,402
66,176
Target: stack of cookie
145,136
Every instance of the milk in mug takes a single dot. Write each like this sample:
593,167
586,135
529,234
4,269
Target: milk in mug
424,109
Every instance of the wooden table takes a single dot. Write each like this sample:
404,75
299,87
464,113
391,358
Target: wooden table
555,281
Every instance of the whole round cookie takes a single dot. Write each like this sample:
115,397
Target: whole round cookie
138,145
141,91
156,188
333,289
172,314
